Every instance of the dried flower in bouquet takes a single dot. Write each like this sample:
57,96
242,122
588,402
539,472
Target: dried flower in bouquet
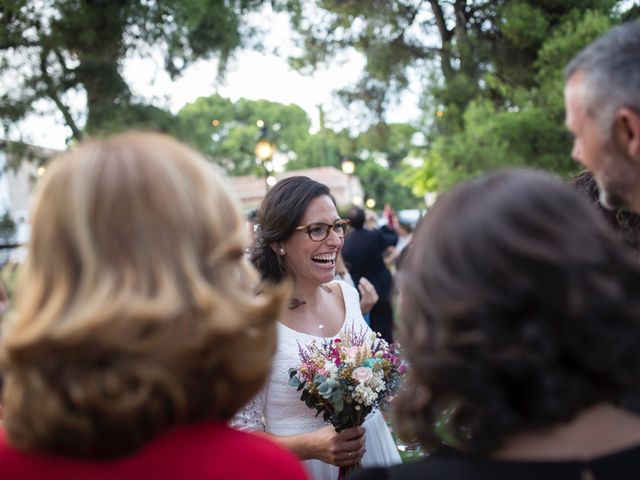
344,379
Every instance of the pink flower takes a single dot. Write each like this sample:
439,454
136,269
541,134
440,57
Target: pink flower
362,374
352,352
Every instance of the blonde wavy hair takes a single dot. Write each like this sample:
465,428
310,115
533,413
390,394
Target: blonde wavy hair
135,310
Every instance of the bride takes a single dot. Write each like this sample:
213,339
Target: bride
298,238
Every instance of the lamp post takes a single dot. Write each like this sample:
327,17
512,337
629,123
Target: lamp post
264,153
348,167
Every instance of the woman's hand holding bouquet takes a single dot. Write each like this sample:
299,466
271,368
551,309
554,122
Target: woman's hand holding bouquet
346,378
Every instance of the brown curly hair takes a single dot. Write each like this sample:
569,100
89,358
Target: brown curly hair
135,309
519,309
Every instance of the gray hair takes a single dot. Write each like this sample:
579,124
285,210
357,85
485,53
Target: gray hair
611,69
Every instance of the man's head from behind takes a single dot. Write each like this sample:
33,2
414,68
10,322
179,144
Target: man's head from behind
602,97
357,217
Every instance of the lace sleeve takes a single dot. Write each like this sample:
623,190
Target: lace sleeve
250,418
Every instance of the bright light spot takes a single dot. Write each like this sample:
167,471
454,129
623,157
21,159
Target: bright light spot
419,139
41,171
271,180
215,122
371,203
357,200
348,167
260,123
439,114
264,149
430,198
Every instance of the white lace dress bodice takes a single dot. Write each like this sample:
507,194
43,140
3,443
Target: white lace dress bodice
277,409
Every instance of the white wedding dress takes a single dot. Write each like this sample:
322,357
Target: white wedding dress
279,410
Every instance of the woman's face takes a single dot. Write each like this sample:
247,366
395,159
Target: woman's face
308,261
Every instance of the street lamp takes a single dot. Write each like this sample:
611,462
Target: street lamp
264,150
264,153
348,167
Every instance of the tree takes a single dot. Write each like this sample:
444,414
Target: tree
383,186
53,49
492,71
525,128
227,132
7,229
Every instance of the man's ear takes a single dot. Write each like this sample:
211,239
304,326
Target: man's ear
627,131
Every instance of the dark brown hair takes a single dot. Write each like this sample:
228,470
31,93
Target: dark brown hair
280,213
520,308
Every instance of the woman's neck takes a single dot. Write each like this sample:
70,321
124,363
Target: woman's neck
307,295
322,315
594,432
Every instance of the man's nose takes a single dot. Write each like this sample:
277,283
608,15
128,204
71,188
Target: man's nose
576,153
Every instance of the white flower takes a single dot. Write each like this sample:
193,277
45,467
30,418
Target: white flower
331,368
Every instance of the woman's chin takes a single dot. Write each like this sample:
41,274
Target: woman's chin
326,276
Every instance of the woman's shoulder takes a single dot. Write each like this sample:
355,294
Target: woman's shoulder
265,451
184,451
351,298
349,293
449,468
426,469
446,463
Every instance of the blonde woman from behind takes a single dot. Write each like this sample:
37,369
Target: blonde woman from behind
136,333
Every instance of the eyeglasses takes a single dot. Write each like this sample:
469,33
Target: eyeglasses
320,231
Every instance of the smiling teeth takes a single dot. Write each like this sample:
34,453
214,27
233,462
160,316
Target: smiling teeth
325,258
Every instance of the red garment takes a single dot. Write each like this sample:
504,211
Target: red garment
205,451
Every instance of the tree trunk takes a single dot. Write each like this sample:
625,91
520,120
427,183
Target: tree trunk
99,55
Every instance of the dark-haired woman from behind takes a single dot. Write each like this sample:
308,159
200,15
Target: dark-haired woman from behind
521,324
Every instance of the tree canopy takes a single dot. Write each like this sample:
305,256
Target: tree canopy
227,133
492,72
51,50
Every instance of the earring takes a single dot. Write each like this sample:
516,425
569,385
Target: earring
281,251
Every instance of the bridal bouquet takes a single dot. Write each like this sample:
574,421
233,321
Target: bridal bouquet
344,379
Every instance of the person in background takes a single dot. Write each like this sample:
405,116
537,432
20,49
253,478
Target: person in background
298,240
602,100
626,224
519,318
371,220
252,220
393,254
131,345
363,253
368,294
389,215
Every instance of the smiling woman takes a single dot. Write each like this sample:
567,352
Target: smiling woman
298,241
